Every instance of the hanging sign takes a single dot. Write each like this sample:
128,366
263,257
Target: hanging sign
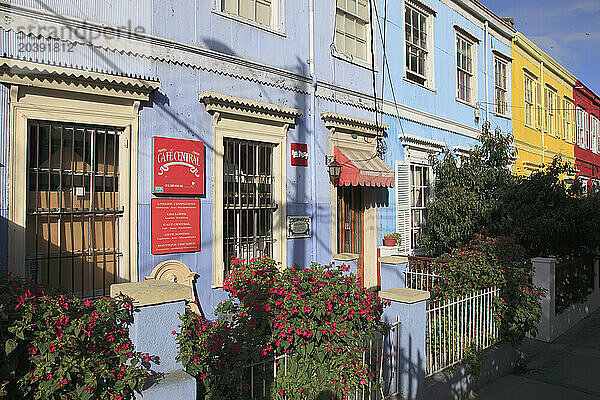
178,166
175,225
299,154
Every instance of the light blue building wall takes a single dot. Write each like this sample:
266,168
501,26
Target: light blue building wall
191,48
433,112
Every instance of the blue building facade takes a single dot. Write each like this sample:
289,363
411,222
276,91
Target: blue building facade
259,75
449,75
254,81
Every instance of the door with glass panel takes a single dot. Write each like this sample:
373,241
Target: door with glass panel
350,211
74,210
419,197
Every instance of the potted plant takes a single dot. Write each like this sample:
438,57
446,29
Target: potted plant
392,239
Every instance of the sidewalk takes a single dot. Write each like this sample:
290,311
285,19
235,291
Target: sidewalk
567,369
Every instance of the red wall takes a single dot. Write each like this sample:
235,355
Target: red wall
587,162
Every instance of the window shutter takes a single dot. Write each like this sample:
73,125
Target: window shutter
403,204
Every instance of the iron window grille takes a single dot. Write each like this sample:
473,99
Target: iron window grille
248,200
73,206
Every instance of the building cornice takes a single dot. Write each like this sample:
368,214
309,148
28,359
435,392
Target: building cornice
348,124
225,104
482,13
526,45
413,142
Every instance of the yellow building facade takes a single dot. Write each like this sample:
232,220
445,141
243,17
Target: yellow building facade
543,108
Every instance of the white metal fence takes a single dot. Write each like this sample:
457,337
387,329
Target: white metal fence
455,325
258,377
420,280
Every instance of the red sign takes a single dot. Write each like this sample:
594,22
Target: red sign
299,154
178,166
175,225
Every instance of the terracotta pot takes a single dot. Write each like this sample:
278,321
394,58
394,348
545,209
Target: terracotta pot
389,241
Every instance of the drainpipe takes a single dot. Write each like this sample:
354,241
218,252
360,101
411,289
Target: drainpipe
313,144
543,114
487,84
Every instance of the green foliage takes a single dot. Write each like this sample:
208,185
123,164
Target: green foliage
498,262
321,318
397,237
574,282
472,357
56,346
481,195
466,194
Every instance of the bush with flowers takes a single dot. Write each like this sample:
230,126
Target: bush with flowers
315,321
499,262
56,346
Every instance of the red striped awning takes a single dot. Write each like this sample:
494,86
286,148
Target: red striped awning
362,168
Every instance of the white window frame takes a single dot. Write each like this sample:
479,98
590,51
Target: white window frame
427,78
341,53
428,172
594,132
583,128
529,106
276,25
568,120
78,97
417,151
504,90
550,117
472,41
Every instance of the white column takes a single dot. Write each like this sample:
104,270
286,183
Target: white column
545,277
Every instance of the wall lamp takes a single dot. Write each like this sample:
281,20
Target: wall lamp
335,168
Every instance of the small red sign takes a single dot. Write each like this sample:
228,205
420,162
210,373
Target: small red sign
178,166
175,226
299,154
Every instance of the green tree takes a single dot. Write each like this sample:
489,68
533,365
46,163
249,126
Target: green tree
467,193
480,195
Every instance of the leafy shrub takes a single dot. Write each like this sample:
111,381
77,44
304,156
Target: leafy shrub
319,318
481,195
499,262
56,346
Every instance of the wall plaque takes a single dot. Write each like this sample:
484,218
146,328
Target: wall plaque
178,166
299,156
175,225
298,227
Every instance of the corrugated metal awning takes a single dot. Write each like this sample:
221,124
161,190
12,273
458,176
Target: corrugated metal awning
362,168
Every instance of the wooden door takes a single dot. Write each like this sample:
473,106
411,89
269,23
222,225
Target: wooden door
350,227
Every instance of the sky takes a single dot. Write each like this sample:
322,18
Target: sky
567,30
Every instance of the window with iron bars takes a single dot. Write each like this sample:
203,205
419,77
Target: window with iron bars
74,209
248,200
